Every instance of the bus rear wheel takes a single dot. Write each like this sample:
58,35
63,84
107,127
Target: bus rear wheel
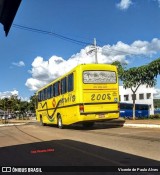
59,122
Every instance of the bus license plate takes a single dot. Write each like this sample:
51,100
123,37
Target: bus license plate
101,115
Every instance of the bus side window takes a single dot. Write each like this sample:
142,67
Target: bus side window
70,82
56,89
39,96
42,95
59,87
49,92
52,91
45,94
63,86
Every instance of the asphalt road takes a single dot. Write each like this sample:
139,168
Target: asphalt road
35,145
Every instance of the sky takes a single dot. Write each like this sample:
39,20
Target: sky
48,38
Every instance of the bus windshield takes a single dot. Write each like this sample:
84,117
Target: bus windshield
99,77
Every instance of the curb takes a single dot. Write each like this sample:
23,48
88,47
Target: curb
133,125
16,124
141,125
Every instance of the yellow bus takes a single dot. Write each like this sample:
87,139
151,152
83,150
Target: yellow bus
86,94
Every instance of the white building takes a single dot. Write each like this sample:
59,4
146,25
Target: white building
144,95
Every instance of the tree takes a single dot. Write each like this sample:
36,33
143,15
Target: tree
23,107
32,103
121,68
14,104
136,76
156,103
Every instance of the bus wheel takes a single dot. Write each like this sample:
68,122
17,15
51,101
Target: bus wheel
88,124
41,122
59,122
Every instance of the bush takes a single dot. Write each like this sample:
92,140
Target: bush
155,116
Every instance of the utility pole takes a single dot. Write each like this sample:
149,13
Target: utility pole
94,49
95,46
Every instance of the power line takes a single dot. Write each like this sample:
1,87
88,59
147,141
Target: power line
52,34
68,38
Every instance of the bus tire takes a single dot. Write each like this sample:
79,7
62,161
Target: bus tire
88,124
41,122
59,122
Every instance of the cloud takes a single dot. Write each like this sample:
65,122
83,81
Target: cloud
159,2
124,4
19,64
136,48
8,94
44,71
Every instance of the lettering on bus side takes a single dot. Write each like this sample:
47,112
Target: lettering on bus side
100,97
70,98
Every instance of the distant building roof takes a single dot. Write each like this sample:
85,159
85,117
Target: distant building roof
8,10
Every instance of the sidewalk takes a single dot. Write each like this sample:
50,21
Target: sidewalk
149,123
14,122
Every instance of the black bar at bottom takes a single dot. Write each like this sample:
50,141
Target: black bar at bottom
38,169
